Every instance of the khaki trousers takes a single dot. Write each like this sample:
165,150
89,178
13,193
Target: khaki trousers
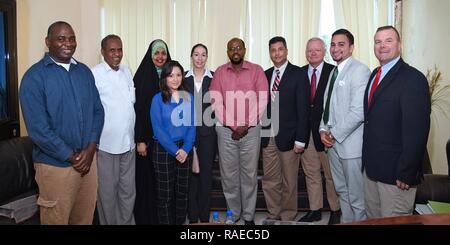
312,161
66,198
280,182
384,200
238,160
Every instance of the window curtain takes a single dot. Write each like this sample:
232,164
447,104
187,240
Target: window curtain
183,23
137,22
297,21
362,18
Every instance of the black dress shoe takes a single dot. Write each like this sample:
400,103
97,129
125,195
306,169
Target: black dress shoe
335,217
251,222
311,216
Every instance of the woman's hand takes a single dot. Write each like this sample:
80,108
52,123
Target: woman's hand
142,149
181,155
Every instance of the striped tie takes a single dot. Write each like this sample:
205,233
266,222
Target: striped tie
276,85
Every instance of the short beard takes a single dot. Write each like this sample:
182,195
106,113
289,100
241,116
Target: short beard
338,60
237,62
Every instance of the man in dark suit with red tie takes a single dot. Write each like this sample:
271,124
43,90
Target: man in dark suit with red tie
396,125
288,136
316,73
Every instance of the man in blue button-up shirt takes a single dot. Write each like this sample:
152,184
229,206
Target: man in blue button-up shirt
64,118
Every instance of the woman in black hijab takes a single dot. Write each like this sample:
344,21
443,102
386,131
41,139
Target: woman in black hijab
146,82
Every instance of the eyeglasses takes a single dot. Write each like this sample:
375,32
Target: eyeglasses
235,49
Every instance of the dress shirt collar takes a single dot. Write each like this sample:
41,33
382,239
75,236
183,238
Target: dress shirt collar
107,68
281,68
341,66
388,66
245,66
49,60
206,74
318,68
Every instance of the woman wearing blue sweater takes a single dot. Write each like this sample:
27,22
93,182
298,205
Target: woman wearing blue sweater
172,117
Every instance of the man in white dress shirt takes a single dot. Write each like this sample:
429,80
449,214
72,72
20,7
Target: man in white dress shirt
116,155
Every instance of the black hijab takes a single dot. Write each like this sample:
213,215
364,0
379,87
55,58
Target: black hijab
146,82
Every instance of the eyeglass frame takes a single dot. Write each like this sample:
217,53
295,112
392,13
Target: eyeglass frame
235,49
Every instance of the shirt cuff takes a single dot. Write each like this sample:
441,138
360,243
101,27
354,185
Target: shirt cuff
300,144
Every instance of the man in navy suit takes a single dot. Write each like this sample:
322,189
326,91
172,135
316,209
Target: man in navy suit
288,110
314,158
396,125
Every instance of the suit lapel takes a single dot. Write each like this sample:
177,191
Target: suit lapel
366,93
344,71
323,81
205,84
269,76
387,81
189,83
285,76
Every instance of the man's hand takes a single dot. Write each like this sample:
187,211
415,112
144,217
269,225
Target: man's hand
240,132
327,139
402,186
83,160
181,155
142,149
298,149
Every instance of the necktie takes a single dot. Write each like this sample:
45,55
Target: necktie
374,85
313,85
326,112
276,85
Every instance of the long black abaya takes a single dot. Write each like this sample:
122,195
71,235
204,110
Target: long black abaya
146,82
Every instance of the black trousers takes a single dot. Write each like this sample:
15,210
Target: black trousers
145,210
172,185
200,184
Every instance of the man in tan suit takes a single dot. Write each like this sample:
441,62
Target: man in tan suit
314,158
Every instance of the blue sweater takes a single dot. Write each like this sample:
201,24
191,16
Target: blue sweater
172,122
62,110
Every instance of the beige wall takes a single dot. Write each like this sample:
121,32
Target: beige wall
425,44
425,38
33,19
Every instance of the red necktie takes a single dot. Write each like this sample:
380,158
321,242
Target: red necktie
276,85
313,85
374,84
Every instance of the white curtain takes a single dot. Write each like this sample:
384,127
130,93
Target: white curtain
137,22
183,23
297,21
362,18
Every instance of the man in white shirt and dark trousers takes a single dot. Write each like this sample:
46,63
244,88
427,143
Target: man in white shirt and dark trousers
116,155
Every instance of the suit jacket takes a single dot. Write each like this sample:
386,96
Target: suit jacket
293,109
317,105
347,110
199,99
396,126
